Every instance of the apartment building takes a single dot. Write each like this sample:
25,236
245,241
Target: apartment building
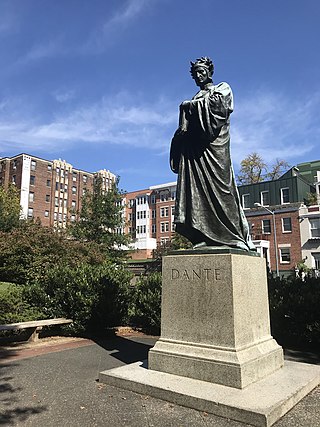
49,190
149,216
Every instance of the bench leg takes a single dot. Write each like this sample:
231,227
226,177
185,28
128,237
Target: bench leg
34,337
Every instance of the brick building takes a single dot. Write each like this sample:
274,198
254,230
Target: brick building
49,190
149,215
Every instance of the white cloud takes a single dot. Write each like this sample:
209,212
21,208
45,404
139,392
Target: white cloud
275,127
269,124
109,121
107,33
63,95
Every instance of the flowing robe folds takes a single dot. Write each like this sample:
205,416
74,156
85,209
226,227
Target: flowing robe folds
207,205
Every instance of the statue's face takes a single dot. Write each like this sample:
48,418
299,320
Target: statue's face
201,76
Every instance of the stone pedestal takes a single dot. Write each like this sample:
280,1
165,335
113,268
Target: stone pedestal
215,323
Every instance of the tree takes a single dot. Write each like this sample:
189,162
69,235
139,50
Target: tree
252,168
9,208
100,218
277,169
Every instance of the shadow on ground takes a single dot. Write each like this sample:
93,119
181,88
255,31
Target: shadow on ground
10,411
298,355
127,350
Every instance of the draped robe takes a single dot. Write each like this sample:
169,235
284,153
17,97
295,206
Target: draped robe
207,207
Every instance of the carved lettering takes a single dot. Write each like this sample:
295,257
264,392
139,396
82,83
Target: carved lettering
196,274
185,275
175,274
217,273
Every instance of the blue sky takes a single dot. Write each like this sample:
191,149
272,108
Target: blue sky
98,82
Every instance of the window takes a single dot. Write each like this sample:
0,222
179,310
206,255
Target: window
285,255
153,199
47,197
246,201
266,226
31,197
131,203
14,165
74,176
286,225
55,216
48,182
72,218
56,201
284,195
57,186
173,226
153,228
14,179
173,195
46,214
172,210
316,260
32,179
315,227
164,227
73,204
30,212
74,190
264,197
58,171
49,168
85,179
164,196
33,165
164,212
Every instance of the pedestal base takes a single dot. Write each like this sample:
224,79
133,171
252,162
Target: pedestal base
215,320
260,404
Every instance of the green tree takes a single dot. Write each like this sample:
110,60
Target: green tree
100,219
251,170
27,253
9,208
254,169
277,169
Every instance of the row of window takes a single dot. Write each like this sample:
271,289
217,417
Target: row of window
142,200
56,216
164,228
265,198
266,225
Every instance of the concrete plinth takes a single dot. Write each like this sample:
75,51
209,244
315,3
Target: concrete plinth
260,404
215,323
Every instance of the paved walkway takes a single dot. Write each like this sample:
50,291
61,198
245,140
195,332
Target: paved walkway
55,384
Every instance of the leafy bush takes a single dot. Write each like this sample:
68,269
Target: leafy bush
28,252
145,303
14,308
294,311
94,296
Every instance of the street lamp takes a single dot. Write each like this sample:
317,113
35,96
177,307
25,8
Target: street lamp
274,234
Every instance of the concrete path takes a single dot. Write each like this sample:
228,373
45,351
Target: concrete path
55,384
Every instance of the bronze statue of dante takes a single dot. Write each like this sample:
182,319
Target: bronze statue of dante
208,210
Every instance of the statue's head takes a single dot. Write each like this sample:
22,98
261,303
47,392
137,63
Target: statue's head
202,65
203,62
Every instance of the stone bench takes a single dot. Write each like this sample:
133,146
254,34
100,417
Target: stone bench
35,326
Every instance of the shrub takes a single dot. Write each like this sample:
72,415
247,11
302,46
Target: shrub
145,303
294,311
94,296
14,308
